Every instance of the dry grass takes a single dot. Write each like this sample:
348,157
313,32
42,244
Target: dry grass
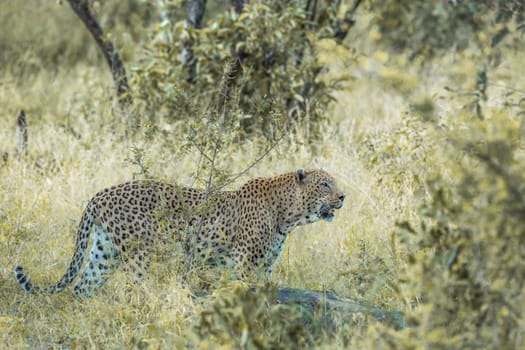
78,146
42,197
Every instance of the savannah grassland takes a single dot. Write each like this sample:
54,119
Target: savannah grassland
386,138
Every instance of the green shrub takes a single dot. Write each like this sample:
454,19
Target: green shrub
262,60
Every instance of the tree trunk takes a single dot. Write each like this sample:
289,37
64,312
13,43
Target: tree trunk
81,8
196,10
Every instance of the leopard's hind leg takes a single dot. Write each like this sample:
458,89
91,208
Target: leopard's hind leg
103,259
136,248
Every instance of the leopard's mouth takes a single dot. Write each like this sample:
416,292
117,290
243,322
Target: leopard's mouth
327,212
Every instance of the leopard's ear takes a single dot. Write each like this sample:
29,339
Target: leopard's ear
300,175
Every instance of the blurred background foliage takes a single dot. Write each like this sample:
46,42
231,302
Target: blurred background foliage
467,248
427,28
420,110
24,49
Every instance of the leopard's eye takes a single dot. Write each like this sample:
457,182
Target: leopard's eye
325,185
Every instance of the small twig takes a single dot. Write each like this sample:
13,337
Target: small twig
21,134
257,160
453,257
199,148
233,69
506,87
191,258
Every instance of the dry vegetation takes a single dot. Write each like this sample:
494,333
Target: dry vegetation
394,138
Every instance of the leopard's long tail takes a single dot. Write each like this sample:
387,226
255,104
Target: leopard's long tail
84,230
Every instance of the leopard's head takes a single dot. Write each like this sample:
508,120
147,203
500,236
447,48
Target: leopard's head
317,196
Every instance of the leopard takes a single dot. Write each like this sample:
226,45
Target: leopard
245,228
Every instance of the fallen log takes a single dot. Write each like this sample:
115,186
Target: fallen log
311,301
313,307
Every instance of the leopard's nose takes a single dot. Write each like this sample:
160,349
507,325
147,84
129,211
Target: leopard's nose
342,197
